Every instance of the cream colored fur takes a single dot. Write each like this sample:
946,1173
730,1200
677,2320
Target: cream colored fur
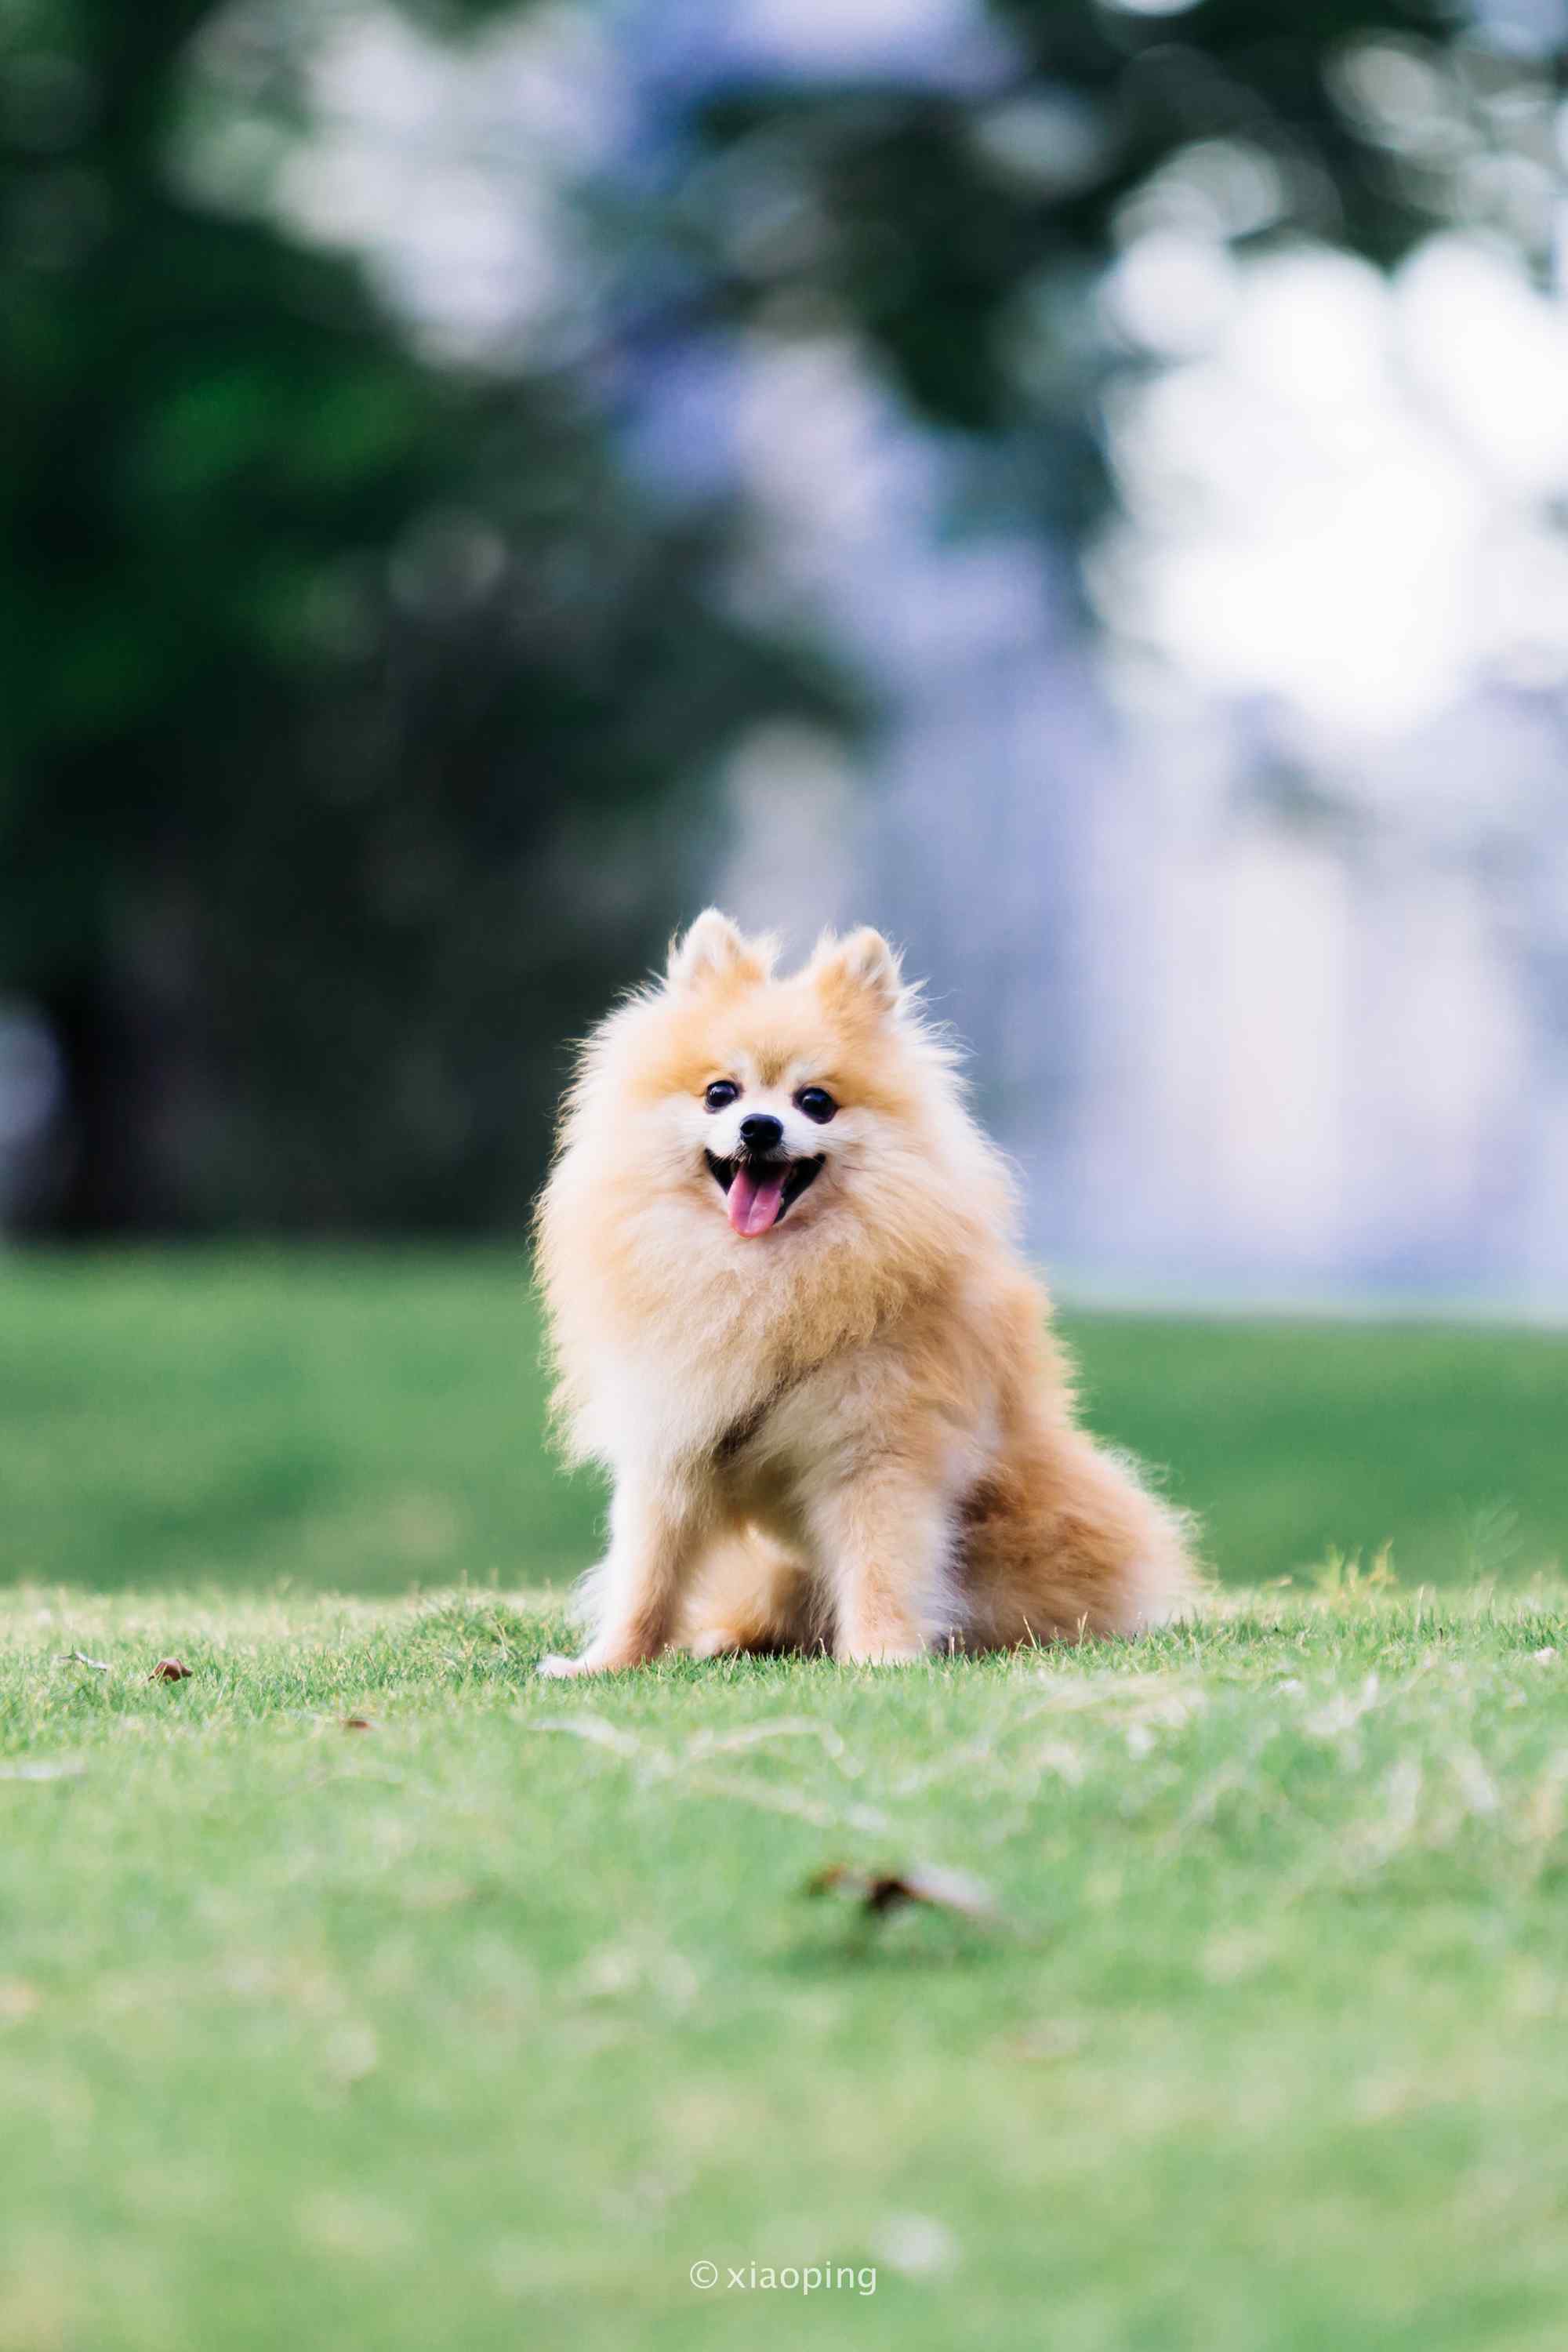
854,1430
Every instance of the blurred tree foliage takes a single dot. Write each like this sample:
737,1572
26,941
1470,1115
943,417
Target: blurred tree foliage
345,694
352,699
962,231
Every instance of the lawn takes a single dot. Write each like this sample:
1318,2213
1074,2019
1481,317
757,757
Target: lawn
483,2025
356,1989
368,1424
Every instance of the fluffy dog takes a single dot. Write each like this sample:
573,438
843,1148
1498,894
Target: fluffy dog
790,1316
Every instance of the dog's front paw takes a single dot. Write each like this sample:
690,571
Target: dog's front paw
557,1670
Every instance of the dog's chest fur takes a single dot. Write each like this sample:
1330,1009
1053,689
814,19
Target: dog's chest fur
819,1427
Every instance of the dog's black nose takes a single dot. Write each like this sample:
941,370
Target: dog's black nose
760,1133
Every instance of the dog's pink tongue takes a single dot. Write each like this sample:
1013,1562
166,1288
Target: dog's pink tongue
752,1201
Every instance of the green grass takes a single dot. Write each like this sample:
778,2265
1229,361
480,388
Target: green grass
369,1424
483,2025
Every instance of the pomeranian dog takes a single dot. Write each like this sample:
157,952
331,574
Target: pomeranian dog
789,1316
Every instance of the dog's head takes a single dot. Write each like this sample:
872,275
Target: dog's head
778,1104
778,1083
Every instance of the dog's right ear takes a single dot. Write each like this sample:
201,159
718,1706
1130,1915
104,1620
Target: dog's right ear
862,968
714,949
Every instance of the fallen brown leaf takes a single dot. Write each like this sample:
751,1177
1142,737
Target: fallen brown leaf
358,1723
169,1670
877,1891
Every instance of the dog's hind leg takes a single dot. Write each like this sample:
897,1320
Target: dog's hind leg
1066,1540
752,1595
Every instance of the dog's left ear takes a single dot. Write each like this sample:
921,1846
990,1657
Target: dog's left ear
715,948
862,966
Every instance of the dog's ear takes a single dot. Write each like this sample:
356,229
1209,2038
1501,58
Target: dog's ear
862,966
714,949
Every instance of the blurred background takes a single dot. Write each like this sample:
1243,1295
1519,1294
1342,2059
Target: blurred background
1082,484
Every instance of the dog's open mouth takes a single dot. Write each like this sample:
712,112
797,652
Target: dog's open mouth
758,1193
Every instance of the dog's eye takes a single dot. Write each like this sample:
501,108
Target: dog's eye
722,1093
816,1103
